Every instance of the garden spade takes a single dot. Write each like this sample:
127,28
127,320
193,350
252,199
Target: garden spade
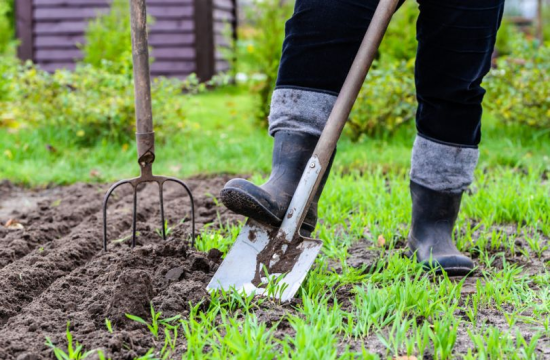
145,136
274,261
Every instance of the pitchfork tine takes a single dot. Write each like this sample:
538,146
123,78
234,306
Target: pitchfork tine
162,211
107,196
192,206
134,218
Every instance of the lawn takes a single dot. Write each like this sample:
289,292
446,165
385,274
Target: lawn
362,299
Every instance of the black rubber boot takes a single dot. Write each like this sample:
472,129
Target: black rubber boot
433,217
268,203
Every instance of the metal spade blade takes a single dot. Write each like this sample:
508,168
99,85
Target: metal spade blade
247,265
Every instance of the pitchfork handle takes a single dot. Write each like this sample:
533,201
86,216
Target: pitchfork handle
142,81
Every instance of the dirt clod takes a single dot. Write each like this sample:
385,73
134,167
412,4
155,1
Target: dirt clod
175,274
215,255
200,263
132,294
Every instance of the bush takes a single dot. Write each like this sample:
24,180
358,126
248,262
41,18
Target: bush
386,101
518,90
108,39
7,26
505,37
91,103
400,40
259,49
546,24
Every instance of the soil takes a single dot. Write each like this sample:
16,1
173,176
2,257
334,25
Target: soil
278,257
54,269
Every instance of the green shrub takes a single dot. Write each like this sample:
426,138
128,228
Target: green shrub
7,26
92,103
400,39
546,24
518,90
386,101
505,37
108,39
259,49
7,64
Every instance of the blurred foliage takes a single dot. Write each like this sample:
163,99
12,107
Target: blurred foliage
7,27
546,24
108,39
400,39
94,103
505,37
259,48
518,90
386,101
228,49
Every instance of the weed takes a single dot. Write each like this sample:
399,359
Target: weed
397,337
74,351
156,321
444,335
126,238
234,299
109,325
167,230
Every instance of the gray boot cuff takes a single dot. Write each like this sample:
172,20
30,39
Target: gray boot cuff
300,111
443,167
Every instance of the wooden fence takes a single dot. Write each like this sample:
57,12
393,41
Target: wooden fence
185,37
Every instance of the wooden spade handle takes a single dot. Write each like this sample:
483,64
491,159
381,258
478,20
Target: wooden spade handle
346,99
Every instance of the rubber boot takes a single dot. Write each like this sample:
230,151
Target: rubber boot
433,218
269,202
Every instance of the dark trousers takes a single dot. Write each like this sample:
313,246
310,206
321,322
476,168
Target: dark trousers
455,42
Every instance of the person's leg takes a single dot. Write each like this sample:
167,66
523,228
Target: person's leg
455,42
322,39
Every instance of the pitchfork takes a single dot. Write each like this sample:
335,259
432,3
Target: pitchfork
145,136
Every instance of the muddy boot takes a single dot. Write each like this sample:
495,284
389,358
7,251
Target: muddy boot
269,202
433,217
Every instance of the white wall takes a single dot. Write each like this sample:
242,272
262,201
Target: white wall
525,8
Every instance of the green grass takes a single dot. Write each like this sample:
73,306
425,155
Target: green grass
393,308
221,137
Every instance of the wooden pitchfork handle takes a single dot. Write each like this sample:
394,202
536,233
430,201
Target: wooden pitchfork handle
142,84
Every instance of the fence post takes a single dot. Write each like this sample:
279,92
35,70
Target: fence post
204,39
24,29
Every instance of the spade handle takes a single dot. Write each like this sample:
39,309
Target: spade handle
335,124
354,81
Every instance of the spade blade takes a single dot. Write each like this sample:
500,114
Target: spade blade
260,253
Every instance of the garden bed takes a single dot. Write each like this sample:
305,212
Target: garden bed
53,270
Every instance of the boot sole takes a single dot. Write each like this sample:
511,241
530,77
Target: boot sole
242,203
450,271
455,271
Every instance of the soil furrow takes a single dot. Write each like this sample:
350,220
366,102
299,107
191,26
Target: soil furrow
73,279
46,222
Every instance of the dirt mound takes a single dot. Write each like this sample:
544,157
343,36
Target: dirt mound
54,270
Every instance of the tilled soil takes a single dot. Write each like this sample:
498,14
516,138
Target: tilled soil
54,270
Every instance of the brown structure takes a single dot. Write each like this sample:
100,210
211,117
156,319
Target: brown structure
184,37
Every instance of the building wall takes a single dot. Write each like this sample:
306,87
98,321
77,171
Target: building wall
181,38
